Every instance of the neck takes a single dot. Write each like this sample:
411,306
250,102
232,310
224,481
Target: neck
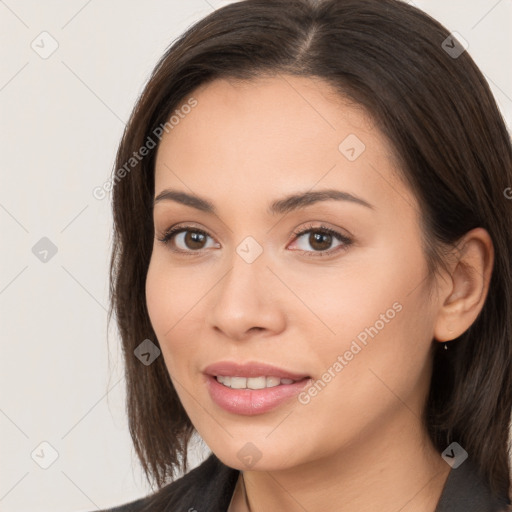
387,471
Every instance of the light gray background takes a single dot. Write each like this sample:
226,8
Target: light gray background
62,118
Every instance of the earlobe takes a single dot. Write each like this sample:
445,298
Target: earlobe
470,278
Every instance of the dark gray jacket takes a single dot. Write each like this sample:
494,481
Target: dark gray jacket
210,486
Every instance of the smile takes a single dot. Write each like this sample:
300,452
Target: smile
262,382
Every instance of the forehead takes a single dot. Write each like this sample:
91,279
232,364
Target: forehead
280,108
269,108
275,134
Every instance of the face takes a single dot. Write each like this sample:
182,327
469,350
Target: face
329,290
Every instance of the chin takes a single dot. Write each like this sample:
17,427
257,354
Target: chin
246,455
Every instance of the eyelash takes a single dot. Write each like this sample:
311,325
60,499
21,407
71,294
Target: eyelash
170,233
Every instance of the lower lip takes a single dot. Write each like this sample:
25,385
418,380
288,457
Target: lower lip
249,402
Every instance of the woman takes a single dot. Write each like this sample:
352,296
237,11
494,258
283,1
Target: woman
312,265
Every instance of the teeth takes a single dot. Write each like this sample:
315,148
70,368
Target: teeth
252,382
273,381
238,382
256,382
224,380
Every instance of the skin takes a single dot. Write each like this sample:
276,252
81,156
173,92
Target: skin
360,443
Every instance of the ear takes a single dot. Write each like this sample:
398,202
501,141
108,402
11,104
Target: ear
464,293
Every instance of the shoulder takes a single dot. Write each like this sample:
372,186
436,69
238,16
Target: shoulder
465,491
208,487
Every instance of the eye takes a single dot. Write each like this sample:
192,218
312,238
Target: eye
188,239
320,239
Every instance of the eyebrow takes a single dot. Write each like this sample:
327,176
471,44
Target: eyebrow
281,206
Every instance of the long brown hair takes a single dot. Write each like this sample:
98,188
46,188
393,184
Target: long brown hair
441,120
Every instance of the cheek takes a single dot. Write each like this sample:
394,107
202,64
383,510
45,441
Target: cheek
382,336
173,298
156,299
165,305
384,364
170,294
360,386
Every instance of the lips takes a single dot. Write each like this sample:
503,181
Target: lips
231,369
247,397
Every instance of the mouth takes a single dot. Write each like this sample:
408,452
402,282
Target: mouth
262,382
253,388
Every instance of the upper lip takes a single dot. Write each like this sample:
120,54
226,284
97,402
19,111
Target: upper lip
255,369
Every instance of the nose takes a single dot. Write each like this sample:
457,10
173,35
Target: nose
247,301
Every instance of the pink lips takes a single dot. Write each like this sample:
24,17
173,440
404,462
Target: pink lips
250,370
251,401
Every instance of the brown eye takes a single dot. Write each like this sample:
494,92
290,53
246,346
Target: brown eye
319,241
194,239
187,239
